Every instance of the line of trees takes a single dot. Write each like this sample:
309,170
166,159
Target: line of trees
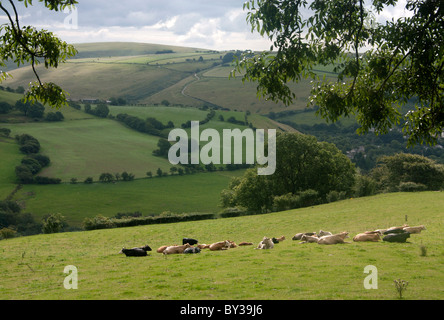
31,110
101,110
33,163
372,146
150,125
309,172
209,116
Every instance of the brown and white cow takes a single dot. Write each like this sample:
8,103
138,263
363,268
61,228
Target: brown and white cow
417,229
333,239
370,236
221,245
309,239
176,249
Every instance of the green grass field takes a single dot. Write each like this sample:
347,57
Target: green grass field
90,147
32,267
164,114
178,194
83,145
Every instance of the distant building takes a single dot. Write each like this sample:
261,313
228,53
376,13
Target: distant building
89,101
352,153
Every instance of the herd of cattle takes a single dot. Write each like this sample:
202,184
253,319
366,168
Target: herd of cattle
393,234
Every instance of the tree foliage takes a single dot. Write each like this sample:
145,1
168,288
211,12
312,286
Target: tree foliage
26,44
53,223
408,172
307,171
405,60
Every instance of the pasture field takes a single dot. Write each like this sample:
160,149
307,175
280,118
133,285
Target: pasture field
9,97
178,194
130,70
177,115
90,147
32,267
135,72
83,145
120,49
88,80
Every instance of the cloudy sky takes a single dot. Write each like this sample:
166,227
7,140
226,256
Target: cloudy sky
208,24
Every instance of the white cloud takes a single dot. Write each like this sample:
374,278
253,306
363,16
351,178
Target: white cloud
197,23
395,12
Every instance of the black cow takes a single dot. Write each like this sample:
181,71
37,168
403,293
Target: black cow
191,250
396,237
146,248
190,241
136,252
395,231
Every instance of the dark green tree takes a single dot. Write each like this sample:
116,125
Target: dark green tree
53,223
304,167
5,107
164,147
405,61
106,177
393,171
101,110
36,110
26,44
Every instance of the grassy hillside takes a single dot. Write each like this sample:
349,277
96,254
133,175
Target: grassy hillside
89,147
32,267
83,145
138,73
215,86
124,49
133,71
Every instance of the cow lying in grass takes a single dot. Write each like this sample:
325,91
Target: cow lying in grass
191,250
324,233
396,237
266,243
298,236
367,236
176,249
333,239
309,239
136,252
277,240
417,229
221,245
190,241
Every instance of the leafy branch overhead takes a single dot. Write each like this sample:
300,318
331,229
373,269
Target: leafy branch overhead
26,44
380,66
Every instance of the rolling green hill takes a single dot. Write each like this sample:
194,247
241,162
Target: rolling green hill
83,145
32,267
89,147
138,73
130,70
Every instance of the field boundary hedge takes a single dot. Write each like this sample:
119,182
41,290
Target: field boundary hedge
101,222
